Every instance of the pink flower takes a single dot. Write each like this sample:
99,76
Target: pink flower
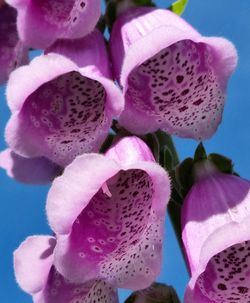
36,275
41,22
12,51
216,236
62,108
172,77
108,214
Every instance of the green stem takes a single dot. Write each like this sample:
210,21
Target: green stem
175,203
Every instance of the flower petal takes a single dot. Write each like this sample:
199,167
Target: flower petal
40,23
28,170
35,273
13,53
60,290
27,79
129,150
32,262
89,52
67,189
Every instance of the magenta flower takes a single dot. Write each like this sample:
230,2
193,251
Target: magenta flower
41,22
36,275
61,109
28,170
216,235
108,214
173,78
12,51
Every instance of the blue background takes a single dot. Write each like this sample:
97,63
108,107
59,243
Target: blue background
22,206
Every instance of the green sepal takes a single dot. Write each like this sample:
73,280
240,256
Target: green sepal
110,14
131,298
169,155
184,175
166,158
101,25
153,143
178,7
200,153
156,293
144,2
107,143
223,164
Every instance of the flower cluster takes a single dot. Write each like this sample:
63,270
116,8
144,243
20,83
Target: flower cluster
75,111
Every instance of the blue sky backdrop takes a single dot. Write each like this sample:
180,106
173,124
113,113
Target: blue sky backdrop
22,206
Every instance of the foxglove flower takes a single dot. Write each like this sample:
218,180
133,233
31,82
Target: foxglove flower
61,109
40,23
216,235
13,53
28,170
36,275
173,78
108,214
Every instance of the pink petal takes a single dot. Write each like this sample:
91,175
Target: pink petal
40,23
60,290
66,188
32,262
35,273
27,79
28,170
129,150
12,51
89,52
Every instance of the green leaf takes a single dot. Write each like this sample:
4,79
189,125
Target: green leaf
179,6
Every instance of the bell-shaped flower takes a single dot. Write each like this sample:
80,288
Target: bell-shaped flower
108,214
40,23
61,108
216,236
13,53
36,275
172,77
